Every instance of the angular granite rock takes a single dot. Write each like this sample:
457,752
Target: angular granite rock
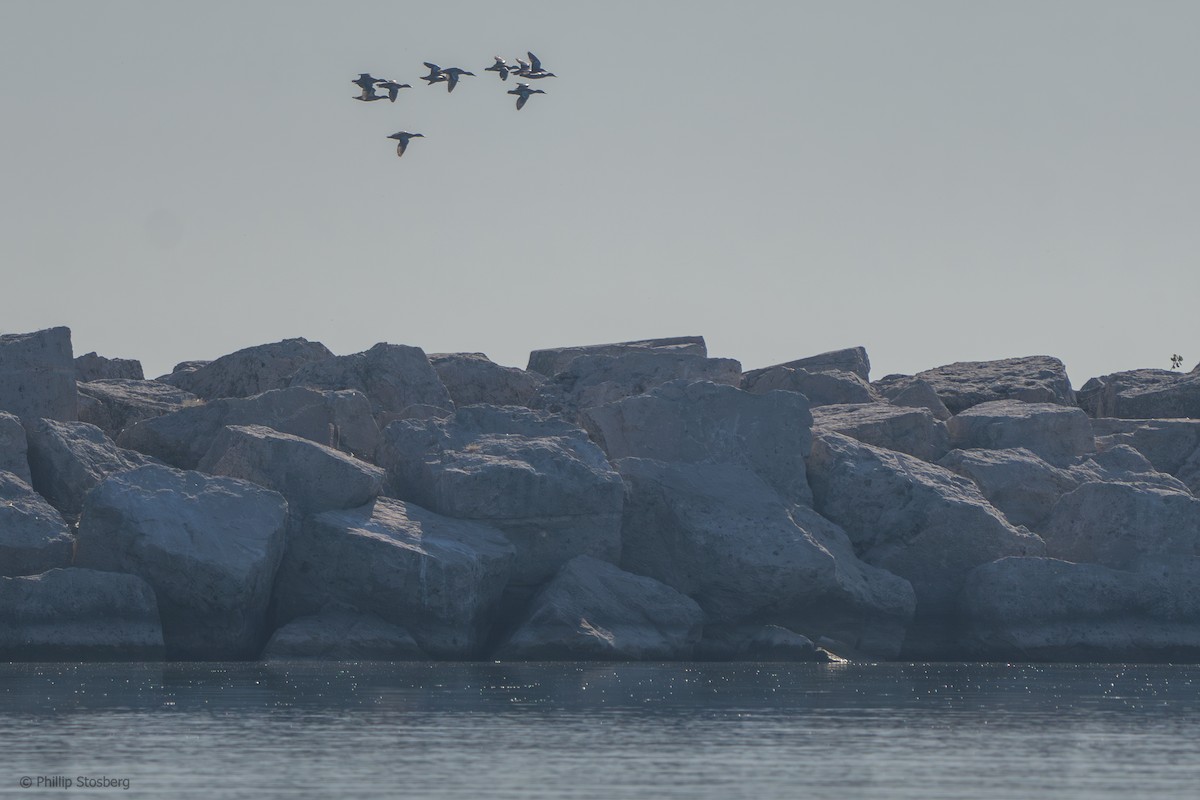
473,378
851,359
713,424
250,371
1031,379
311,477
553,360
535,476
1059,434
1143,394
33,535
1123,526
1169,444
594,611
342,636
915,519
113,405
37,375
1042,609
833,387
339,419
1022,485
910,392
208,546
14,448
594,380
1123,464
722,536
392,376
93,367
906,430
78,615
68,459
438,578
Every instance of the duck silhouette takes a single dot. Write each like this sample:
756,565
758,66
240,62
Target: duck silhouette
402,138
523,92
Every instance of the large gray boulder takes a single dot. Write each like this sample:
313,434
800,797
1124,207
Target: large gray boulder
1123,464
594,380
208,546
37,375
68,459
33,535
915,519
78,615
833,387
473,378
438,578
533,475
1031,379
1123,526
93,367
394,377
113,405
905,390
1171,445
1143,394
851,359
338,419
714,424
14,448
1034,609
553,360
311,477
250,371
906,430
342,636
594,611
719,534
1059,434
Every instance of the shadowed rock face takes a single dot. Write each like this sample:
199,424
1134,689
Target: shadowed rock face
907,430
852,359
472,378
37,375
1032,379
551,361
594,380
14,449
1059,434
342,636
247,372
394,377
1143,394
113,405
93,367
826,388
33,535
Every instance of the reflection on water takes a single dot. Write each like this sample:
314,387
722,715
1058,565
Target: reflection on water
604,730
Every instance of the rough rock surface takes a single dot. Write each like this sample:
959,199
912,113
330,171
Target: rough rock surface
1046,609
93,367
592,610
392,376
311,477
915,519
722,536
1031,379
250,371
78,615
338,419
473,378
1124,526
342,636
438,578
715,424
33,535
1143,394
113,405
1057,433
535,476
593,380
209,548
1171,445
907,430
851,359
14,448
68,459
1016,481
553,360
834,387
905,390
37,375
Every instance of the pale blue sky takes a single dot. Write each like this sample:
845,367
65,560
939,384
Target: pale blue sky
936,181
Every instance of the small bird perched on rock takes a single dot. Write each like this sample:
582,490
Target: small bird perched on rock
500,66
402,138
367,83
393,88
523,92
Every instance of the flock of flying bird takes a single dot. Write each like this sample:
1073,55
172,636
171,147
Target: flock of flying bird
530,70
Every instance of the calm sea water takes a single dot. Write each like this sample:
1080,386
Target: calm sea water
601,731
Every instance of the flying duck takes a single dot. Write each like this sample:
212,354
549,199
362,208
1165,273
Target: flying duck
367,84
533,70
522,92
452,75
402,138
500,66
392,87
